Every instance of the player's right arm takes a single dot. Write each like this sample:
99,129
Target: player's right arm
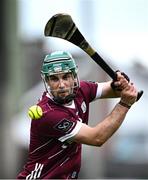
99,134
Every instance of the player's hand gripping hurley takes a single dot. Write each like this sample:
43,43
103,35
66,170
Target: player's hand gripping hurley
62,26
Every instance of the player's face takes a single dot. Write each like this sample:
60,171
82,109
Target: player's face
61,85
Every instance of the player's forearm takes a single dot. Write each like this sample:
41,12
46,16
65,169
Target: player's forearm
112,122
98,135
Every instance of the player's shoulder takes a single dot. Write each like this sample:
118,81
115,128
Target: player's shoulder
43,99
44,103
88,90
87,83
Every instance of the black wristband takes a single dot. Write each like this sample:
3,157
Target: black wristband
125,105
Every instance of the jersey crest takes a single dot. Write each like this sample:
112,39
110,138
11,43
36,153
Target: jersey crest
83,107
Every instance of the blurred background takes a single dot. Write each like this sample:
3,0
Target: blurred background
118,30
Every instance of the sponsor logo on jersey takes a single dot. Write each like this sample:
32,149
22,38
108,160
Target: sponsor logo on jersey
65,125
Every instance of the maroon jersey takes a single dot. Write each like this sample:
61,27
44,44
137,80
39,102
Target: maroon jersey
52,153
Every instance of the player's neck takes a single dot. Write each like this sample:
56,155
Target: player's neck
69,104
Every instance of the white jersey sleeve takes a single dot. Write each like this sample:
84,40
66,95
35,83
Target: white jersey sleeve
72,133
99,90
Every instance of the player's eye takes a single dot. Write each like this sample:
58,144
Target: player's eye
54,78
66,76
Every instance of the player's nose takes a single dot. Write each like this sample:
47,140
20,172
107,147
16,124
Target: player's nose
61,83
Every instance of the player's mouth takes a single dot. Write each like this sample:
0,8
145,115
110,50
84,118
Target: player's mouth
63,93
